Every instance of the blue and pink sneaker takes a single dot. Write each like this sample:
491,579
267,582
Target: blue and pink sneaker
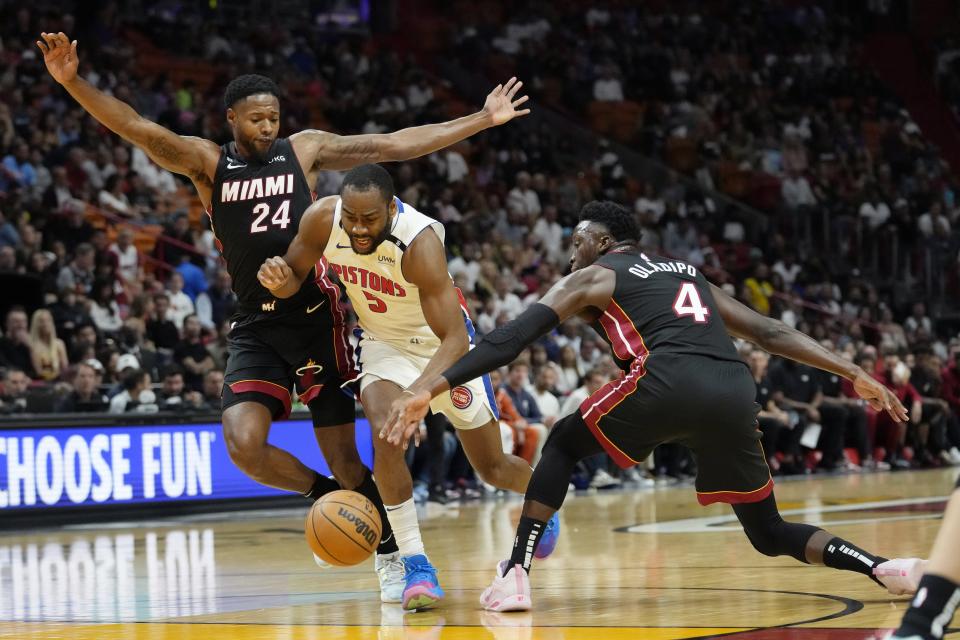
422,590
548,541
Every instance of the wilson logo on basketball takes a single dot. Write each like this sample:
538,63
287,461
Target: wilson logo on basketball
461,397
362,528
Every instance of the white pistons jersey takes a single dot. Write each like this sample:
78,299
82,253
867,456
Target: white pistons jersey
386,304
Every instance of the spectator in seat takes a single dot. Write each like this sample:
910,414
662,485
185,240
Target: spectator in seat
127,258
181,305
48,353
191,354
774,422
543,394
212,390
79,274
797,390
217,303
844,423
15,385
15,343
534,431
160,328
104,310
136,393
896,375
85,397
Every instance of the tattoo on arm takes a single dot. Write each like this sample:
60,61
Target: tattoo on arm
333,154
161,149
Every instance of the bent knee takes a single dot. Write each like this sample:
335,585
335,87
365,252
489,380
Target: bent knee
494,473
765,541
244,443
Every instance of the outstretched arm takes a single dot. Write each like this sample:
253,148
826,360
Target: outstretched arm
193,157
284,276
590,287
321,150
775,337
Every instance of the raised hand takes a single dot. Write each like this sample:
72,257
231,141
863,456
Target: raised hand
274,273
60,56
501,105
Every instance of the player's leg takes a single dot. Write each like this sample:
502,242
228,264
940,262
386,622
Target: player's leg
256,391
736,473
421,589
938,595
471,408
246,423
484,449
569,442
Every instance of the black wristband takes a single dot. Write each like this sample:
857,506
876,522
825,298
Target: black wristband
502,345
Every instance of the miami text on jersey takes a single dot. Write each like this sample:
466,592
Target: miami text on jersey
251,189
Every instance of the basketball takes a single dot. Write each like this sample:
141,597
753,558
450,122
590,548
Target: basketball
343,528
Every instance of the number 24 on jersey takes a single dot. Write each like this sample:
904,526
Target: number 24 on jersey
280,218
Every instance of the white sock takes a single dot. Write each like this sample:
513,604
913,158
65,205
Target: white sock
403,520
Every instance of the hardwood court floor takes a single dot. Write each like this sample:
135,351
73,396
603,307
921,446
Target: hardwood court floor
630,564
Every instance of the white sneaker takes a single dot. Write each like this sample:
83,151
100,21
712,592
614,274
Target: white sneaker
323,564
390,571
954,456
901,576
601,480
510,592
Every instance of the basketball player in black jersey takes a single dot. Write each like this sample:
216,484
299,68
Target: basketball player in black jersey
255,190
682,382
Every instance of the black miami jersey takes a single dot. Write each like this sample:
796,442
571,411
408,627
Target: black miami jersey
682,381
661,305
256,211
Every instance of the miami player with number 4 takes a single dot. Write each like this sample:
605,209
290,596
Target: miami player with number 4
682,381
255,190
391,260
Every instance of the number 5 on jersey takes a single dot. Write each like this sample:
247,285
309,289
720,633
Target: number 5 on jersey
376,304
688,303
281,217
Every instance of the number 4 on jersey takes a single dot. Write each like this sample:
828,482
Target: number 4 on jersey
688,303
281,217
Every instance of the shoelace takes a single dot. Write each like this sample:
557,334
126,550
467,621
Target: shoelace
420,571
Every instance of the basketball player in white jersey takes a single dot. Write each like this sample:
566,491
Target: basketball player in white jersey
391,260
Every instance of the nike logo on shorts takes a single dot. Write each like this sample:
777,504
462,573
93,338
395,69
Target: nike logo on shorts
314,308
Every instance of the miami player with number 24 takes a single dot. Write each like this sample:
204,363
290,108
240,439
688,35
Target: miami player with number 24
682,381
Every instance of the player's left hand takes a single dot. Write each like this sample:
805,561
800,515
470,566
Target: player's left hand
879,396
406,412
501,105
274,273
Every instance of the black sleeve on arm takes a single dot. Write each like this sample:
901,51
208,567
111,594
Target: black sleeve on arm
502,345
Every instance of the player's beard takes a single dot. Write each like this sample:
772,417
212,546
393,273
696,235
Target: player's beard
258,154
375,242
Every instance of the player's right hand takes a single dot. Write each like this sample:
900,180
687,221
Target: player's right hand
274,273
60,56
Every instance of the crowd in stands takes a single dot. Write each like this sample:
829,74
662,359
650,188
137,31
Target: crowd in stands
120,329
771,103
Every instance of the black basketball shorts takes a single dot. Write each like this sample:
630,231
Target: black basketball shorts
706,404
303,353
